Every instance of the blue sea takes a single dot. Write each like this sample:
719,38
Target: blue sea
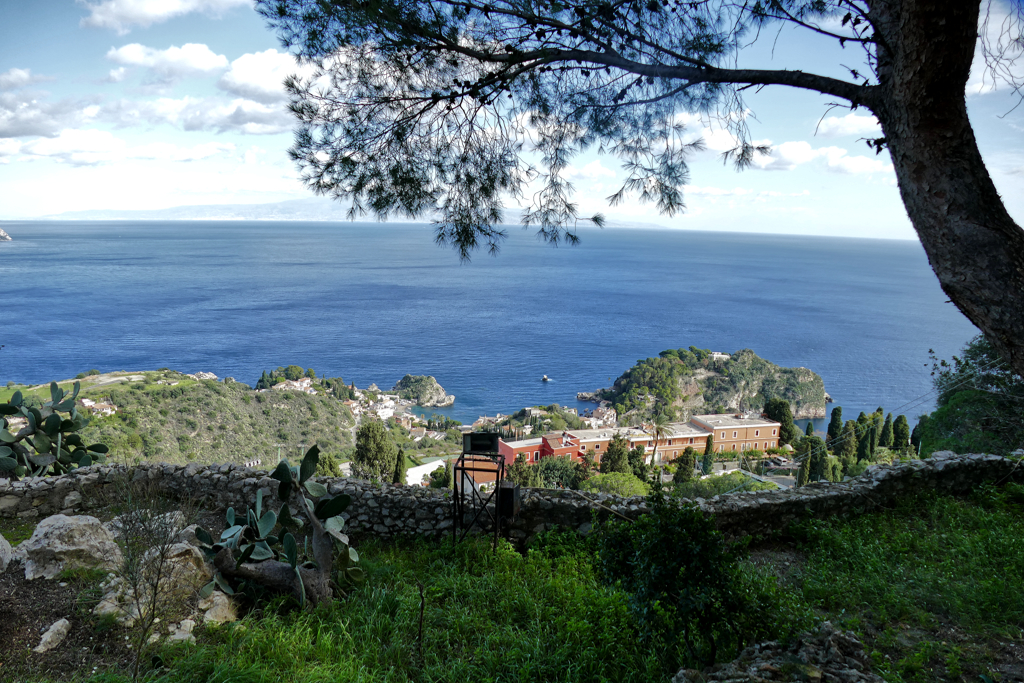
371,302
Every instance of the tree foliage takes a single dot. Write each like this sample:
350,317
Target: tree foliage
979,405
376,453
616,458
778,409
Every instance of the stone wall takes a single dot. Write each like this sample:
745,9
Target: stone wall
387,510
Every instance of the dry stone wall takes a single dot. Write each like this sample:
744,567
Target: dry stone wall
387,510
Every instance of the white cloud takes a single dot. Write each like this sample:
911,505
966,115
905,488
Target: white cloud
89,147
593,171
200,114
24,113
122,15
174,62
18,78
259,75
789,155
851,124
117,75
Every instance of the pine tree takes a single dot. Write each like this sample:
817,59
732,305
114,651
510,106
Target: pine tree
835,425
401,466
887,434
901,433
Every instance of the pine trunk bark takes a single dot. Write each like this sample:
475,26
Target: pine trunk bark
973,245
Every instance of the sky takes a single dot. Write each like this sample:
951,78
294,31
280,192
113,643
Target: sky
149,104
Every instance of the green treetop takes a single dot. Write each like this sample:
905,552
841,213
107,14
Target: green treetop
376,453
616,458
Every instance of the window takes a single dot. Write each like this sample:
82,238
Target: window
675,453
691,441
723,435
773,432
757,432
670,442
734,434
721,448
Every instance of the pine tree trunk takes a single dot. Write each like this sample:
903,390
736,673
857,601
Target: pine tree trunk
972,243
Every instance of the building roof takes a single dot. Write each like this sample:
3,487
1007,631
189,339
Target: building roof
524,443
685,429
731,420
606,433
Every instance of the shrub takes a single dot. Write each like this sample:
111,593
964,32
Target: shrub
618,483
686,586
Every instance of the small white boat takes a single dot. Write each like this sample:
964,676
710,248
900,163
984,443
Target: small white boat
545,379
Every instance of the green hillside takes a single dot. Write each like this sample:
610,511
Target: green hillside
682,382
205,421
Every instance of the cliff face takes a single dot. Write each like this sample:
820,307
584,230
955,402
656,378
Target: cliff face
687,382
423,389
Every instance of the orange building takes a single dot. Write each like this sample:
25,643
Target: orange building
740,432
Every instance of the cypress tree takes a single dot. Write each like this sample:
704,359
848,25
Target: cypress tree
887,433
375,451
778,409
848,442
709,447
835,426
401,466
918,433
864,446
707,462
874,439
803,473
616,458
901,433
809,431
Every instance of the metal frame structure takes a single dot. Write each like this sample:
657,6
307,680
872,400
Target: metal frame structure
471,502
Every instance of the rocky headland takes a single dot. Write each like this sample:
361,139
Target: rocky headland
692,381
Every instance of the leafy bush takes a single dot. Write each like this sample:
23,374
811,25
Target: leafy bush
717,485
687,590
618,483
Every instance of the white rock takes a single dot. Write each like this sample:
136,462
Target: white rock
182,632
6,554
62,542
218,609
54,636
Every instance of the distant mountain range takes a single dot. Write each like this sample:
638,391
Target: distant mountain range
306,209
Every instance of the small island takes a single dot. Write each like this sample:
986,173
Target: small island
424,390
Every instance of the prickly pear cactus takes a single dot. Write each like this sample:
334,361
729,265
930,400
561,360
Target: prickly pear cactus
48,444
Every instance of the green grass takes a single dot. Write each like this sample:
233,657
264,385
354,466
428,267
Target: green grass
17,530
487,616
911,578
